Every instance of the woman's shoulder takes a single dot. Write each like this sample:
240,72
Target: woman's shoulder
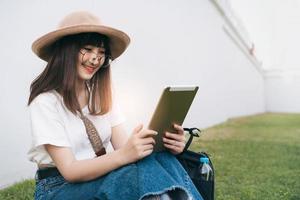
50,98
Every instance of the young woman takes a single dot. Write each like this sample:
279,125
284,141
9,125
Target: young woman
74,117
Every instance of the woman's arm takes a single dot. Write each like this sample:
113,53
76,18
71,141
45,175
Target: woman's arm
83,170
138,146
119,136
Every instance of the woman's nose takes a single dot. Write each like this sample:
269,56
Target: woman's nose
94,59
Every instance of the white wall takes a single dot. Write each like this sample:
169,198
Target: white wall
283,91
274,28
173,42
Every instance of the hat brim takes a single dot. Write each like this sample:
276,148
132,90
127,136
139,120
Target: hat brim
119,40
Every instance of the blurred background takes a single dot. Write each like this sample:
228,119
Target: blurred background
242,54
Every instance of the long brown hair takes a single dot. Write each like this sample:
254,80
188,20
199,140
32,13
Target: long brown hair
60,74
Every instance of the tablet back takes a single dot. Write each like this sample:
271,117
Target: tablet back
172,107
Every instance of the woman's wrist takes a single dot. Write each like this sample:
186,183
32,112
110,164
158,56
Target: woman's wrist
121,157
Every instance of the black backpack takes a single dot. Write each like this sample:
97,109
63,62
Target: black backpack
191,163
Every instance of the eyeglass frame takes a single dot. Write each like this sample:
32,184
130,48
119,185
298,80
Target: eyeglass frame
99,57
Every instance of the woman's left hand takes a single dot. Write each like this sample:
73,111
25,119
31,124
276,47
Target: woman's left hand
175,142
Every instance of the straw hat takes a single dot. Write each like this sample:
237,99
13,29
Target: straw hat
81,22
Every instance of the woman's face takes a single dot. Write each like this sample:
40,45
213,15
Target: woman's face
90,59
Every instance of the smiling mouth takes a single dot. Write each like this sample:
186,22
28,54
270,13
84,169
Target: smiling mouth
89,69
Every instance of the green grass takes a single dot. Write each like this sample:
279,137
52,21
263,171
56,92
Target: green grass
19,191
256,157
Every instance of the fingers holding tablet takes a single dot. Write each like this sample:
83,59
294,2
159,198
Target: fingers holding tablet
175,142
179,128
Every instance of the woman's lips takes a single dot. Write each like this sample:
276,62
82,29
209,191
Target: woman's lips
90,70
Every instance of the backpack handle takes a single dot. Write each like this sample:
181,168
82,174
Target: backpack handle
194,132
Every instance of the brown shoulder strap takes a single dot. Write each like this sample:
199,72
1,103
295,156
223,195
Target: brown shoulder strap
93,136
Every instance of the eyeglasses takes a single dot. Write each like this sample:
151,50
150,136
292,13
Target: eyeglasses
88,55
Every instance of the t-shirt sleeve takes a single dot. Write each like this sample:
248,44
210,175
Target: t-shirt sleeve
116,116
46,125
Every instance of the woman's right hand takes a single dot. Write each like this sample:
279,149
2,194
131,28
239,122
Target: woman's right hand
139,145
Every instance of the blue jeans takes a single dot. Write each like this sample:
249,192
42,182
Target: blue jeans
156,174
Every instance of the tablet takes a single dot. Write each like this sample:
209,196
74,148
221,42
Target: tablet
172,107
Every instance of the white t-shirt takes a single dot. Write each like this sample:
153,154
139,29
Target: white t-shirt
52,123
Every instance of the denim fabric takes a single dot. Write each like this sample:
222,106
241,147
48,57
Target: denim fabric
154,175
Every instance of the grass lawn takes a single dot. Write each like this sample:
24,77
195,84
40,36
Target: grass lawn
19,191
256,157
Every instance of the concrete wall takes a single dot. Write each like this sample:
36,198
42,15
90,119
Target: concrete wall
173,43
282,91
